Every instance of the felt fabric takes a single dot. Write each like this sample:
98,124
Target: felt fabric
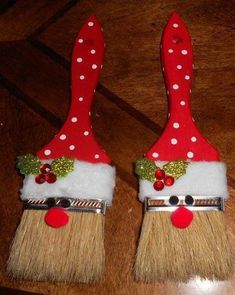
181,138
76,138
87,181
201,179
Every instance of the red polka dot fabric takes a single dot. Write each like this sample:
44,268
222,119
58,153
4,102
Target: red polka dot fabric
181,138
76,138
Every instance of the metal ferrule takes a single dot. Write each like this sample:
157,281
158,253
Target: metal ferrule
200,203
69,204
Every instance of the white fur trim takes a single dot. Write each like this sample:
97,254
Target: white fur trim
201,178
87,181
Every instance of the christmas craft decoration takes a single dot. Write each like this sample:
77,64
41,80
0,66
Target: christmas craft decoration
67,185
148,170
182,183
31,165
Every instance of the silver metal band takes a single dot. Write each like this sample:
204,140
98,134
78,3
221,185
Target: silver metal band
200,203
70,204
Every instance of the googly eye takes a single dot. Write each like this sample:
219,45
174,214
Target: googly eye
189,200
65,203
174,200
50,202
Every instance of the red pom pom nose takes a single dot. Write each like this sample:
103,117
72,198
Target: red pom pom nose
56,217
182,217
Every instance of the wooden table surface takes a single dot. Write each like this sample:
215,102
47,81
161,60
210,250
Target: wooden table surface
128,113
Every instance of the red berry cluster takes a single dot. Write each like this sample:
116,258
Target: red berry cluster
45,175
162,180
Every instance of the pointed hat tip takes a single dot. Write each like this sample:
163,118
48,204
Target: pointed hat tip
93,18
175,16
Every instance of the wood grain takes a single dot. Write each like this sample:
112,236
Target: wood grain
8,291
24,17
128,113
132,65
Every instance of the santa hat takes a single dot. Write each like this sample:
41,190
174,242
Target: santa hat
83,167
182,153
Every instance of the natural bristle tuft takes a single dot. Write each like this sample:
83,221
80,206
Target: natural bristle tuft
73,253
167,253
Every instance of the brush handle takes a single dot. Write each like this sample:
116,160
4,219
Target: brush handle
181,139
177,63
87,60
76,139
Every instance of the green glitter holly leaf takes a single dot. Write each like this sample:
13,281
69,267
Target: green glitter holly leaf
62,166
28,164
176,168
145,169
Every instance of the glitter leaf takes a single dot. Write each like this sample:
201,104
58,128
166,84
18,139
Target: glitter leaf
175,168
28,164
145,169
62,166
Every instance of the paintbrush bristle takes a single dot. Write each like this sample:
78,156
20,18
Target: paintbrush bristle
167,253
73,253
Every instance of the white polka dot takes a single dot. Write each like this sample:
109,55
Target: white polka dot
90,24
94,66
174,141
62,136
80,98
184,52
89,113
193,139
175,86
47,152
97,156
101,66
72,147
80,40
82,77
176,125
190,91
175,25
94,90
74,119
79,59
186,77
86,133
179,67
170,50
93,51
167,92
163,69
155,155
182,103
190,155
